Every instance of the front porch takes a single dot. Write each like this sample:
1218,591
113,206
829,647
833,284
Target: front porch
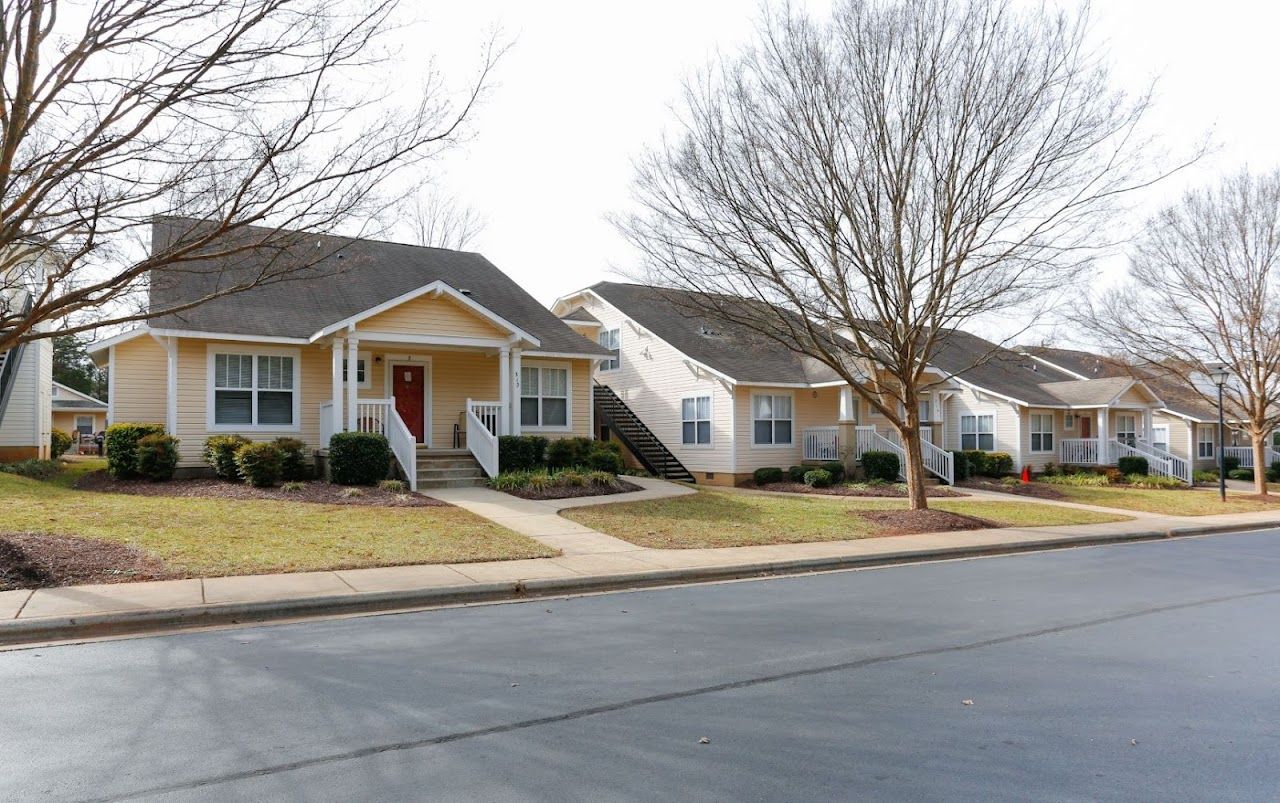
823,443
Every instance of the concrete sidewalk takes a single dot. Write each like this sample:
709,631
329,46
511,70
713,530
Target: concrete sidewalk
590,561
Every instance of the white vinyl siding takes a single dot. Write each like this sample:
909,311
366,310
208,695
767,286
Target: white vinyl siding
544,398
978,432
772,419
612,340
695,421
1042,433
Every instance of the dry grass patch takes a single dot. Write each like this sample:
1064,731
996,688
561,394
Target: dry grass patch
1184,502
211,537
722,519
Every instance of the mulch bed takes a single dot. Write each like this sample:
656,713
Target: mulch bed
910,522
574,492
314,491
883,491
29,560
1039,490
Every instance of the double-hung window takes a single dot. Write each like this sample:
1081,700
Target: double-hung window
362,370
544,397
611,339
1042,432
1204,442
1127,428
1160,438
771,420
978,433
253,390
926,411
695,421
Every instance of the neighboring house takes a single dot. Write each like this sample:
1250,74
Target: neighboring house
723,401
1186,426
26,373
437,349
76,413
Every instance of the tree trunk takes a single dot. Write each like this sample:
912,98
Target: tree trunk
914,469
1259,463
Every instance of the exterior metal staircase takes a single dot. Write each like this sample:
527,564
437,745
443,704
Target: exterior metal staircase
614,413
9,362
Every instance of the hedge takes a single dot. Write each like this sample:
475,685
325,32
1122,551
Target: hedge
1273,472
606,456
1245,474
881,466
1230,463
293,459
961,468
767,475
989,464
1133,464
220,453
156,456
358,458
521,452
568,452
260,464
796,473
122,443
835,468
59,443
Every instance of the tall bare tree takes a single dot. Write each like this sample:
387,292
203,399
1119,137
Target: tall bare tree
879,178
239,113
1203,290
441,220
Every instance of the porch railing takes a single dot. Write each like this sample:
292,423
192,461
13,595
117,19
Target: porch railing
374,415
821,443
326,423
379,416
403,445
1245,455
482,433
1165,462
1080,451
938,462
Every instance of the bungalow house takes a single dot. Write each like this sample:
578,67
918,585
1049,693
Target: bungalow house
438,350
76,413
703,397
26,372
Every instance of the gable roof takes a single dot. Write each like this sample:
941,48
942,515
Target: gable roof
68,398
988,366
580,315
350,277
1089,392
1083,364
1176,396
732,350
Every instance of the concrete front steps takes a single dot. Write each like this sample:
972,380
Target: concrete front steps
448,468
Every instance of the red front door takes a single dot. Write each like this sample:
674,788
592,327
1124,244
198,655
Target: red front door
408,386
1086,427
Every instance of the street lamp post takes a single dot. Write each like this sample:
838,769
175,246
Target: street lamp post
1219,376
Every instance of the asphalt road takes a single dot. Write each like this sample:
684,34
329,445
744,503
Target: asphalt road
1139,672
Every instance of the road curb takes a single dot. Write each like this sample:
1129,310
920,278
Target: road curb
69,628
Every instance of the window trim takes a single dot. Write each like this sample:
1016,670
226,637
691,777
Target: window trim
1155,436
710,419
751,416
617,358
361,356
1201,442
93,420
977,433
568,404
1032,432
1136,432
1069,422
255,351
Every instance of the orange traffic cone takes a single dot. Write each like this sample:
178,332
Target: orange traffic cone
1026,473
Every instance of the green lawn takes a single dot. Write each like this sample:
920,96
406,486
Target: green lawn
720,519
210,537
1170,502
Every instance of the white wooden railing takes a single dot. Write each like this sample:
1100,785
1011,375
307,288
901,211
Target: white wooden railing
403,445
379,416
937,461
326,423
1080,451
482,434
1170,465
1245,455
374,415
821,443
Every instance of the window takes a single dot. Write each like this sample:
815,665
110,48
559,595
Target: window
256,390
1204,442
771,420
363,380
544,397
926,411
1042,432
1127,428
1068,421
695,421
84,424
610,339
1275,440
1160,438
978,432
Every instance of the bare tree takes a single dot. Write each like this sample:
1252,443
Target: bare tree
442,221
879,179
1203,290
247,116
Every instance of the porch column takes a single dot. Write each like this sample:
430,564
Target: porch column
335,395
847,428
1104,439
504,390
171,389
353,355
1150,427
515,392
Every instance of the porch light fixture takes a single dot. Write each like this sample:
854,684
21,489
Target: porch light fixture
1219,375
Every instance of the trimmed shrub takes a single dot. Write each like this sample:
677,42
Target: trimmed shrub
603,458
59,443
1230,463
567,452
32,469
818,478
1133,464
796,473
1154,481
1273,472
358,458
835,468
1245,474
767,475
259,463
521,452
220,453
122,443
1051,469
977,463
881,466
961,466
998,464
156,456
293,458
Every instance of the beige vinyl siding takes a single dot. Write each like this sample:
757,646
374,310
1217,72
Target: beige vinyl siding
1008,417
65,420
1037,460
811,407
138,382
428,315
1133,396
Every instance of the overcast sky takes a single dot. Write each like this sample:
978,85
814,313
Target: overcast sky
587,85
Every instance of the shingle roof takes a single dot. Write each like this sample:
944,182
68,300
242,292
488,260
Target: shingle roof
1085,392
349,277
78,404
579,315
1176,395
731,349
986,365
1084,363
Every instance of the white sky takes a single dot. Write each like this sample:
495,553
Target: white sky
588,84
